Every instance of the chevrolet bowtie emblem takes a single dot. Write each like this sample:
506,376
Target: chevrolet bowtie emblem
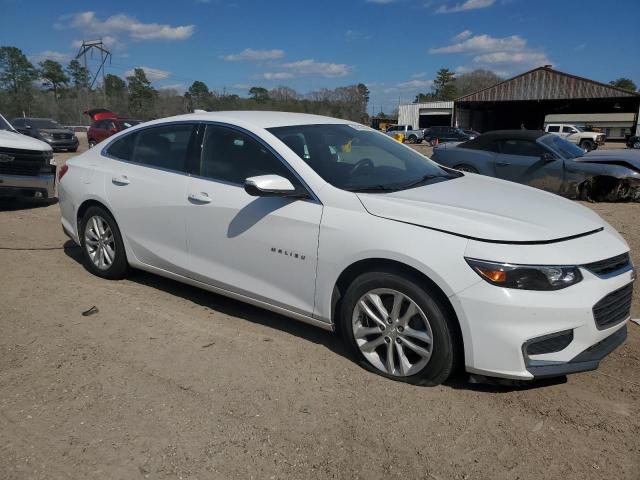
4,158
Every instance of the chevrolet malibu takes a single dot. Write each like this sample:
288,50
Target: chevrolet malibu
419,267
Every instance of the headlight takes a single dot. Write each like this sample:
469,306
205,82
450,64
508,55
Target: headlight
46,135
526,277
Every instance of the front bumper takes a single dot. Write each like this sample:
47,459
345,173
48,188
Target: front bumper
589,359
498,323
63,144
27,185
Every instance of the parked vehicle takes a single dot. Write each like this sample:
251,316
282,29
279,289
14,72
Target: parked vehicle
549,162
471,133
418,266
437,135
580,136
410,134
26,168
633,141
47,130
103,129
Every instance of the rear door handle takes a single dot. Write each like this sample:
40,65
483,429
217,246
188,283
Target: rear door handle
200,197
121,180
503,164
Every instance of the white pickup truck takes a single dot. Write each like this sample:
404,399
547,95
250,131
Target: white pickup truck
26,169
585,140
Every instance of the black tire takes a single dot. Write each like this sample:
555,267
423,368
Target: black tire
446,351
433,142
119,266
73,150
636,144
412,139
586,145
463,167
92,143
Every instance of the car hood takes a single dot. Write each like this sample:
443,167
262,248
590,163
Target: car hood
486,209
613,156
17,140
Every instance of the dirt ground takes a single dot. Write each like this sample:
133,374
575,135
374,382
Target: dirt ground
167,381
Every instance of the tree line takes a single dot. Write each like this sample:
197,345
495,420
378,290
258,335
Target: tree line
50,89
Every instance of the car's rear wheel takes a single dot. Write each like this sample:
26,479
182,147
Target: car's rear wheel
636,144
397,329
586,145
433,142
102,246
463,167
413,139
92,143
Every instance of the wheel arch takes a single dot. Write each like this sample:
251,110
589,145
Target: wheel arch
85,205
359,267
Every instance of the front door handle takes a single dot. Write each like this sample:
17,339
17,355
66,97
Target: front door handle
121,180
200,197
503,164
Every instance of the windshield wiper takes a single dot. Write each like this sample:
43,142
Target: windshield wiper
372,188
424,179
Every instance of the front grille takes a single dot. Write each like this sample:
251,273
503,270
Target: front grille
62,136
609,265
24,162
614,308
549,343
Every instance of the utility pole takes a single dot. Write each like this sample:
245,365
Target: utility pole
87,49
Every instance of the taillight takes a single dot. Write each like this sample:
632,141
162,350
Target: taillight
62,171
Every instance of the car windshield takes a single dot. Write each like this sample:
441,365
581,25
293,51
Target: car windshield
563,147
4,125
357,158
580,129
44,123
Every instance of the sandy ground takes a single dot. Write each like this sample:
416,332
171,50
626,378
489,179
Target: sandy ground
167,381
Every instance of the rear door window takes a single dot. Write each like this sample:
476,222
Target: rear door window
164,146
524,148
553,128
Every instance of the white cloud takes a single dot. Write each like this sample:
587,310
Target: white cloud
524,58
468,5
419,75
274,75
51,55
254,55
484,43
89,23
462,36
151,73
322,69
412,84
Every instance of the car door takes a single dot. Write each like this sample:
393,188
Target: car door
524,161
146,189
261,247
569,133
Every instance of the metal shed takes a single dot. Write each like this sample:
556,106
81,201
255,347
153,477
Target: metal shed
526,99
425,115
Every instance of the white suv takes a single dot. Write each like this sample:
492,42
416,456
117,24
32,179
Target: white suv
419,267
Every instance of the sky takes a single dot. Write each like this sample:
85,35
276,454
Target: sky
393,46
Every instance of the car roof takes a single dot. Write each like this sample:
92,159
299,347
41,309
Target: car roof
259,119
486,140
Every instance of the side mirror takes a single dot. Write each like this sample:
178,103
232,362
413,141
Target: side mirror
548,157
270,186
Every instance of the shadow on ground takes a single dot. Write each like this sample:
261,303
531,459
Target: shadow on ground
331,341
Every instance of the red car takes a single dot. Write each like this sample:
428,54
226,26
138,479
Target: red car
106,123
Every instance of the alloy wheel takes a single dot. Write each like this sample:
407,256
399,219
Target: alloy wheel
392,332
99,242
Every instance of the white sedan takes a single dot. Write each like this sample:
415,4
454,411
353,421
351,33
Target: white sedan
419,267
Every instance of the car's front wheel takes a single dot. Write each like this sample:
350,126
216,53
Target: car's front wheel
398,329
102,246
413,139
636,143
586,145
